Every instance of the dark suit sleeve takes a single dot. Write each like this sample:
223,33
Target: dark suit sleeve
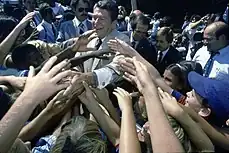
147,51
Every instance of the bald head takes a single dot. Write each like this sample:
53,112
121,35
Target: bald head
217,29
216,36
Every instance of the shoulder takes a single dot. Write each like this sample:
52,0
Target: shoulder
40,27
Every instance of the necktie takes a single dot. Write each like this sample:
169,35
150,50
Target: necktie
54,31
81,28
209,64
160,55
98,44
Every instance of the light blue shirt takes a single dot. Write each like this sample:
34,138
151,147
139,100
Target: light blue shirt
225,15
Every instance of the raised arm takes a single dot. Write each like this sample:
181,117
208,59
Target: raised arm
159,124
134,5
197,136
38,88
128,137
111,129
9,41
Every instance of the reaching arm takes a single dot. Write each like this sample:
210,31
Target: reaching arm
219,137
134,5
9,41
19,113
111,129
128,137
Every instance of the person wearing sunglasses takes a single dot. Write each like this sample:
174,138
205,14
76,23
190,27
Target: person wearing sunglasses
77,26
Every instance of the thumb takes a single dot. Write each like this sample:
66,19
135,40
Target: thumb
86,86
31,72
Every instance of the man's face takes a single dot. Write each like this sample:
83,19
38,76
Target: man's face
30,5
210,40
140,32
162,44
81,10
101,21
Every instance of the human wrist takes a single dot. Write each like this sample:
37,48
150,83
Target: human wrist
91,79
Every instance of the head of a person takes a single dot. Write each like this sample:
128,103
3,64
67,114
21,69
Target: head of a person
122,11
52,3
164,38
166,22
209,97
26,55
46,12
105,14
30,5
157,15
216,36
81,9
80,135
195,18
176,75
140,27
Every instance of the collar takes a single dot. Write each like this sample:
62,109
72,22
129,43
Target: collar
224,50
77,22
47,24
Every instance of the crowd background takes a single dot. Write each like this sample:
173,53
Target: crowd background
108,76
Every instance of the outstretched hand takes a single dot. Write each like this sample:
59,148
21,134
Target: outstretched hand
124,98
82,41
48,81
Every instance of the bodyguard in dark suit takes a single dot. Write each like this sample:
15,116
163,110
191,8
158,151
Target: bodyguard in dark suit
166,53
139,41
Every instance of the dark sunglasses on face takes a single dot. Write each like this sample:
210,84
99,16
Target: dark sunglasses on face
83,9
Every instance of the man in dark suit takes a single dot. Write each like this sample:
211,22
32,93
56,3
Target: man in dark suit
166,53
139,41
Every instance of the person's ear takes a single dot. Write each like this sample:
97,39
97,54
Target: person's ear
204,112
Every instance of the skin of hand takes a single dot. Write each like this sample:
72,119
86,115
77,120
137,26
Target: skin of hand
82,41
124,98
17,82
23,23
46,82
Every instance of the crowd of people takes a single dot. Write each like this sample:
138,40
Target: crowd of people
85,77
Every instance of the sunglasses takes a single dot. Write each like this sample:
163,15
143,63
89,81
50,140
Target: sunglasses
83,9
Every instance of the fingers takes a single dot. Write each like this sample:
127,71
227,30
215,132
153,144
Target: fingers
48,65
31,72
58,68
62,86
61,76
92,36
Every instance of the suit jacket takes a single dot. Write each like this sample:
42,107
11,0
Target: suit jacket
47,34
95,63
145,49
69,29
171,57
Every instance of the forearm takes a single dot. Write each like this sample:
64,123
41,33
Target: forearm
8,42
111,129
216,137
197,136
112,111
15,119
128,139
159,125
34,127
194,25
4,79
134,5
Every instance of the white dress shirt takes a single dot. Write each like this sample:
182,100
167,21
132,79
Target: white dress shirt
202,56
76,23
220,68
163,54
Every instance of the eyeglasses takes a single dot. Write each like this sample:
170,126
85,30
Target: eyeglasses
83,9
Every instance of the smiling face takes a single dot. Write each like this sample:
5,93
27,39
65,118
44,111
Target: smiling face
102,22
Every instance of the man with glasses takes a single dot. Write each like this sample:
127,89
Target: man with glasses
138,38
79,24
216,40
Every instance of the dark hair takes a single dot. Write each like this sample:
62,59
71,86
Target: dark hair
181,71
167,32
74,3
142,19
80,135
166,21
44,9
7,24
20,55
110,6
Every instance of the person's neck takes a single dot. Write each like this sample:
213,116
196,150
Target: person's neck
102,37
165,49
